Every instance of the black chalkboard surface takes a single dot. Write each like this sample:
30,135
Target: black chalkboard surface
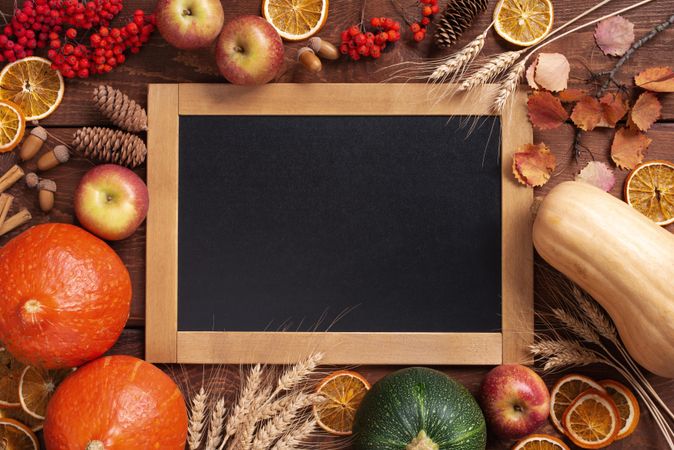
285,222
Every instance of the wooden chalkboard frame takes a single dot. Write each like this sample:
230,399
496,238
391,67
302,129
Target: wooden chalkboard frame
164,343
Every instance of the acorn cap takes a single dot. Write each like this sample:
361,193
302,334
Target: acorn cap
32,180
315,44
47,185
303,50
40,133
61,153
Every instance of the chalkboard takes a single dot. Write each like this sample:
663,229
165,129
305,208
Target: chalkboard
286,228
287,222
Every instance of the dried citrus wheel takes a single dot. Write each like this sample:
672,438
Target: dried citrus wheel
540,442
524,22
592,420
10,373
16,436
565,392
296,20
12,126
23,417
627,405
650,190
32,84
342,392
37,386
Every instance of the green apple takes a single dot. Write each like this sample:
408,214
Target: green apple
111,202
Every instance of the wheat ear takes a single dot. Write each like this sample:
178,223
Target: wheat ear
293,439
281,422
245,402
297,373
509,86
197,419
491,69
459,60
562,353
215,425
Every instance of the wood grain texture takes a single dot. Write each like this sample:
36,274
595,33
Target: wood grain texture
159,63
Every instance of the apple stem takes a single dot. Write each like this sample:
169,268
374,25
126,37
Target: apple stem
95,445
238,49
187,12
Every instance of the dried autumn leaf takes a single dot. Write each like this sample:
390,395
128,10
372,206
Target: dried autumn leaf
598,174
552,71
614,35
531,74
572,95
645,112
656,79
587,113
628,147
533,164
614,107
546,111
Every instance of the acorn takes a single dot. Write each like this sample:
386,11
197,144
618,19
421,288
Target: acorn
47,189
32,180
58,155
324,49
33,143
309,60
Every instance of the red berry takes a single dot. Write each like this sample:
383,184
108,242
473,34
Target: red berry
344,49
375,52
83,73
104,31
389,22
354,31
375,22
427,11
359,39
346,37
435,9
415,27
419,36
425,21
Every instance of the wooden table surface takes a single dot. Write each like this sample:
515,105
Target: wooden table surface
160,63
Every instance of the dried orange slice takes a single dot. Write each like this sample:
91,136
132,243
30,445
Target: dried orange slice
296,20
10,374
563,394
342,392
23,417
36,388
592,420
650,190
524,22
541,442
32,84
16,436
627,405
12,126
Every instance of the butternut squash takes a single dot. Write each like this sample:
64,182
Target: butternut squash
621,258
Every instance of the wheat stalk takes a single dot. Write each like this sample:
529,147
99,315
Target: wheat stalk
291,440
197,419
579,326
282,420
559,354
215,425
491,69
509,86
459,60
297,373
245,402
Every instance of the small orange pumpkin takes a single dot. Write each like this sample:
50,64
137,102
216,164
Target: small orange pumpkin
65,296
116,403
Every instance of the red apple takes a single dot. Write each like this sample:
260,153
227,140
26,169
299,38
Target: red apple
515,401
189,24
111,202
249,51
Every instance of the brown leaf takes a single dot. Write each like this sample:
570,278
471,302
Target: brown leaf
533,164
614,107
572,95
645,112
614,35
628,147
656,79
587,113
546,111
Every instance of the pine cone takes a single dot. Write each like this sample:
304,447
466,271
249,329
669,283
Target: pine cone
120,109
113,146
456,19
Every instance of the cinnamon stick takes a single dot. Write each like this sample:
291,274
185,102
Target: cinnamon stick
14,174
5,203
15,221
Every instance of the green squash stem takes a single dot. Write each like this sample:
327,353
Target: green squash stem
422,442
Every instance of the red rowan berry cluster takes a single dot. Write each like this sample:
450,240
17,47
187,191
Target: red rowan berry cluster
41,23
428,9
358,43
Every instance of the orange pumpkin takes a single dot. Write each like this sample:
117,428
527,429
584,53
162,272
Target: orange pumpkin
65,296
116,403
